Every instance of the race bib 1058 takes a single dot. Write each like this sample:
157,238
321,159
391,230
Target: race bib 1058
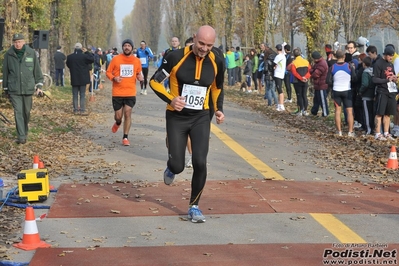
194,96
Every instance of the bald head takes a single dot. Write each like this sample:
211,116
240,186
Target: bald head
207,31
204,40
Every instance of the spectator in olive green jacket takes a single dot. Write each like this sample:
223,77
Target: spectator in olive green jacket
22,77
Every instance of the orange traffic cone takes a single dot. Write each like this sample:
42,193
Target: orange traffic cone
31,239
41,164
35,162
393,159
91,99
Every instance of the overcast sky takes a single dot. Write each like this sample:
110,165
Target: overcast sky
122,8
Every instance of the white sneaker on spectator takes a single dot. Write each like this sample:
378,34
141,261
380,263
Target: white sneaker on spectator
379,136
357,125
351,134
388,136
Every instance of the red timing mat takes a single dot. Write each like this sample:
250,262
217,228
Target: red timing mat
223,197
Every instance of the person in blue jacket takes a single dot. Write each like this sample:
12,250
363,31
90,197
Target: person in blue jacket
145,55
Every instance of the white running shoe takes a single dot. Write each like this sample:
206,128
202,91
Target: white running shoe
388,136
189,163
379,136
351,134
357,125
145,92
280,108
195,215
168,177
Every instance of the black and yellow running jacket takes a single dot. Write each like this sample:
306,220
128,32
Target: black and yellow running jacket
185,68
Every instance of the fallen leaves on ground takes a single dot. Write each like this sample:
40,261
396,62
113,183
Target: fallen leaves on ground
355,158
58,136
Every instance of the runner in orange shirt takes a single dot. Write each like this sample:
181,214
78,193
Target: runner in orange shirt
123,71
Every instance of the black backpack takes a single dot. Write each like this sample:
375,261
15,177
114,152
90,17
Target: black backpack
269,63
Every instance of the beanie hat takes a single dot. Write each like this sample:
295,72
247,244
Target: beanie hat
78,45
389,51
390,45
316,55
127,41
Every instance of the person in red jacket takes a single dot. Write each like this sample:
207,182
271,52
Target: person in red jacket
123,71
318,73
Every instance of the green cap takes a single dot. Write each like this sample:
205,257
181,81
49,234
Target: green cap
17,36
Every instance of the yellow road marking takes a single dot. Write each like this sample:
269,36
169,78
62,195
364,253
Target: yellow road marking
337,228
263,168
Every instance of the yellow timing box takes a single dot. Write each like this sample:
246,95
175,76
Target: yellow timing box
33,185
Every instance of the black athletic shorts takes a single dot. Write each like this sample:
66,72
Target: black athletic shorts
259,74
279,85
344,97
119,102
385,104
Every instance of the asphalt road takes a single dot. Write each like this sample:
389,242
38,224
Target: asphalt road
246,146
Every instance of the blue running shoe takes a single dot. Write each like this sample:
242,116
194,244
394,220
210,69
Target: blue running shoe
195,215
168,176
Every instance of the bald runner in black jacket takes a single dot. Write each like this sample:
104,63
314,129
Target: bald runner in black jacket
195,73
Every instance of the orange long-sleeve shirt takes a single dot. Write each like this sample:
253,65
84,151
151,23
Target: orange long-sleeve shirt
300,68
128,68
